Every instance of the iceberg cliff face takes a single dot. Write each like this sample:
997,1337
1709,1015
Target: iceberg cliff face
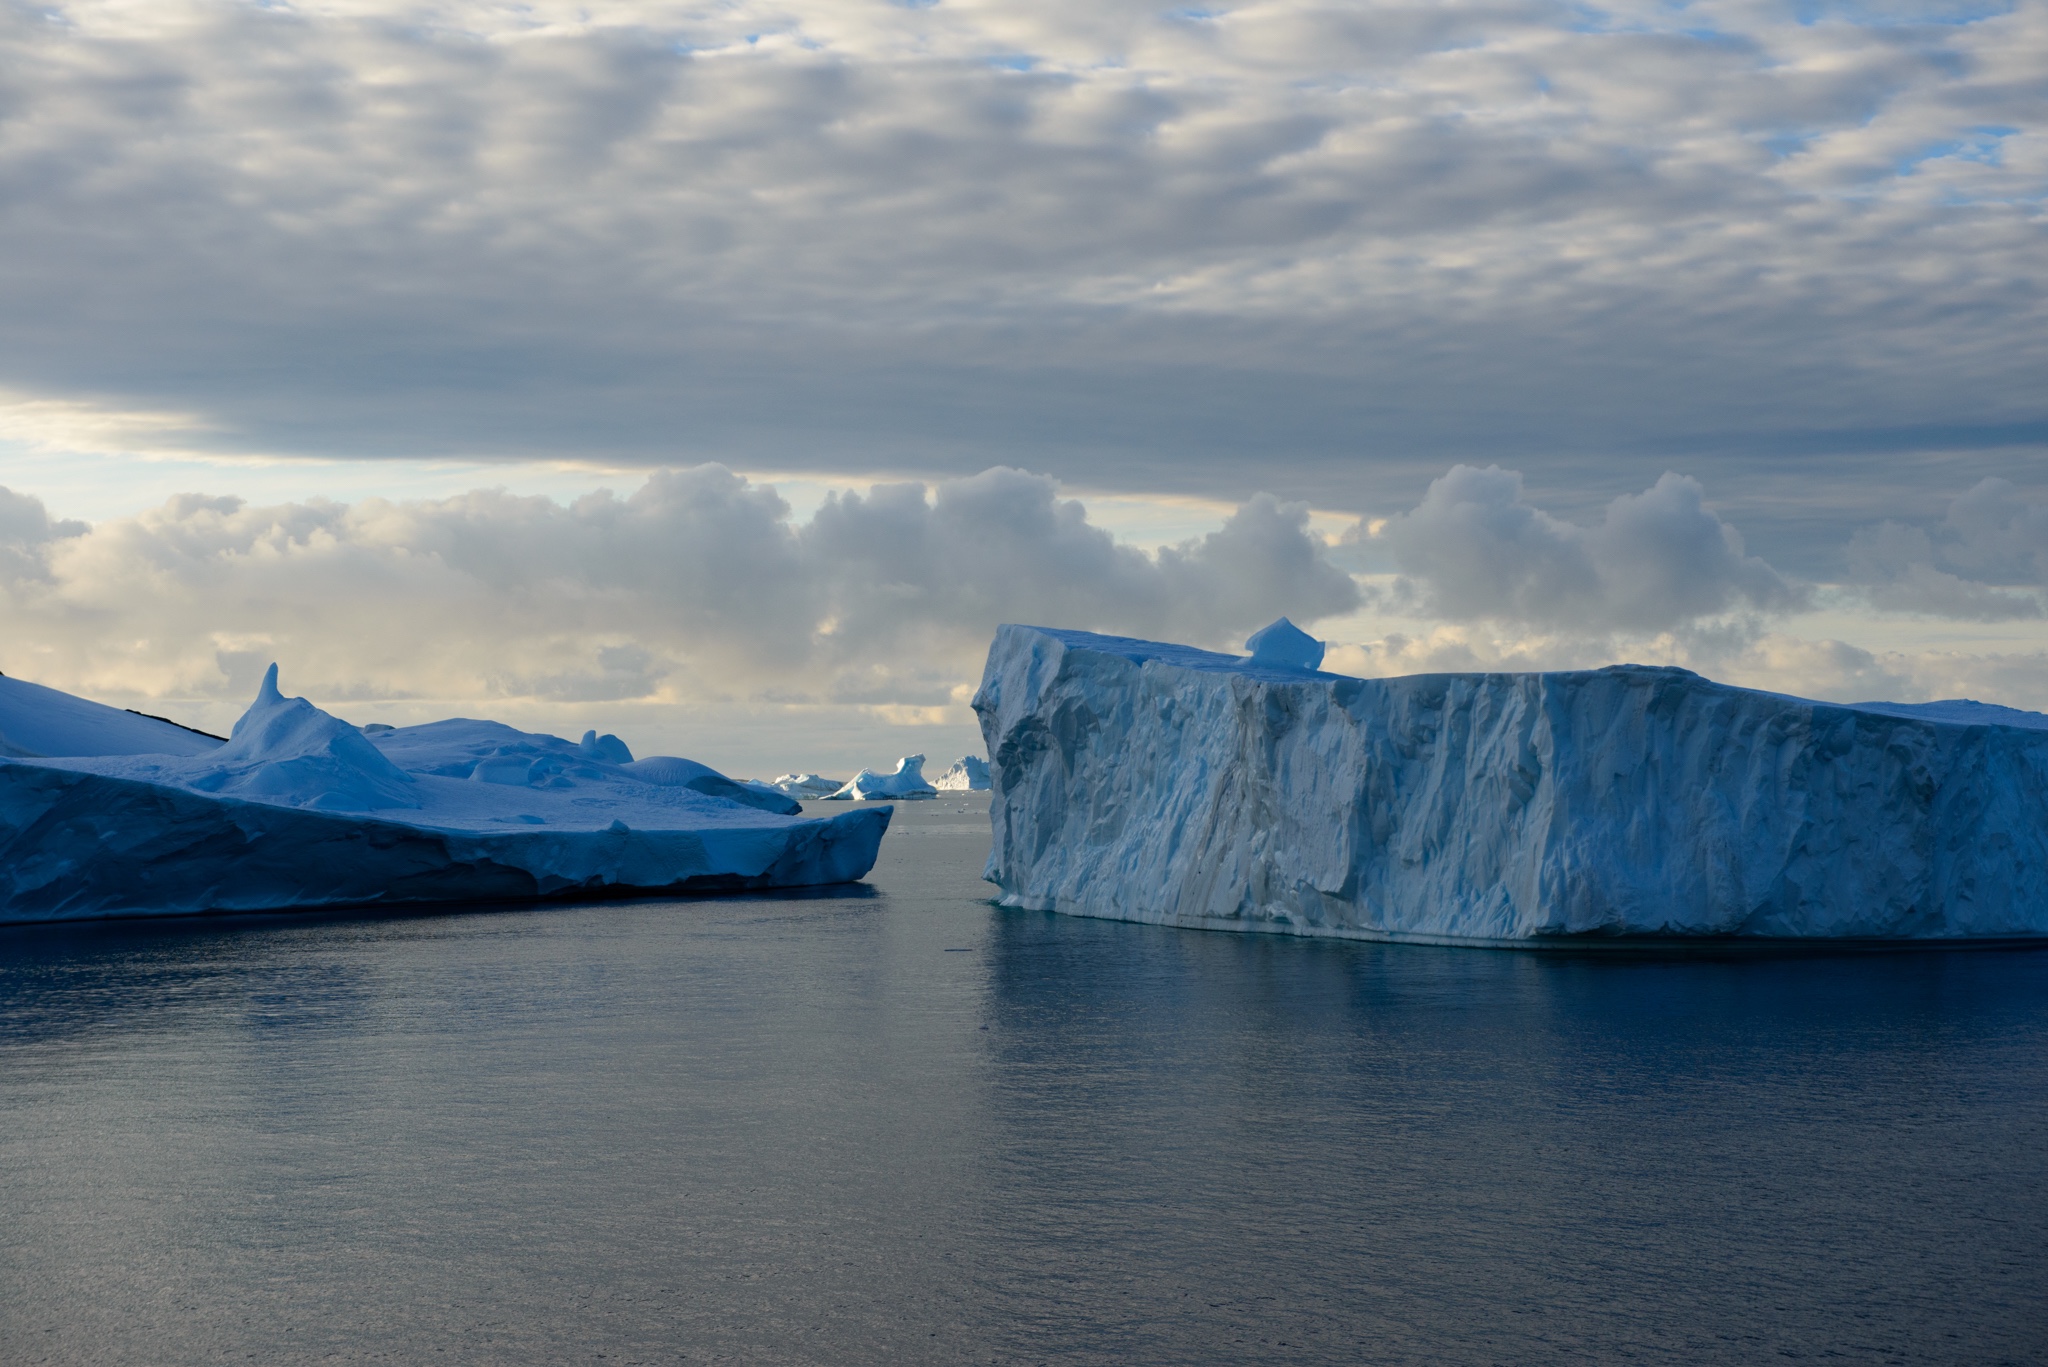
1158,783
300,809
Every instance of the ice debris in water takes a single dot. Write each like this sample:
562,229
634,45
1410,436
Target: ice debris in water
300,809
1152,782
1285,646
907,782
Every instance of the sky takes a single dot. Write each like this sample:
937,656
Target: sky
721,374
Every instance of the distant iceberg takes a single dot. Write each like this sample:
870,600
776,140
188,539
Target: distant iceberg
300,809
969,774
907,782
805,785
1160,783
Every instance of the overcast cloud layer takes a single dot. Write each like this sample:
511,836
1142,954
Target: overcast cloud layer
1795,250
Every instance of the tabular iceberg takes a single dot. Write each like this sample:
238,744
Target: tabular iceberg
969,774
869,786
299,809
1159,783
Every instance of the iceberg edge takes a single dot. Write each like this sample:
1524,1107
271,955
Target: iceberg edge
1583,809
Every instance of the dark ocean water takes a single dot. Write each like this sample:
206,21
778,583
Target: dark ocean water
903,1126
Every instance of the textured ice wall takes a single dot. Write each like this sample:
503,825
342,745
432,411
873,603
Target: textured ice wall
1157,783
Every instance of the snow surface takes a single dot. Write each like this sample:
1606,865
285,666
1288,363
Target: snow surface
300,809
35,721
868,786
1152,782
805,785
969,774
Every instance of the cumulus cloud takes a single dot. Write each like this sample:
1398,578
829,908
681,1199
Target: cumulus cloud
1781,662
1985,560
26,535
1474,548
699,585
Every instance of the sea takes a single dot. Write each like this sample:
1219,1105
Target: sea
894,1123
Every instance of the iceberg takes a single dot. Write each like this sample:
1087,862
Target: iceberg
299,809
869,786
805,785
37,721
1150,782
969,774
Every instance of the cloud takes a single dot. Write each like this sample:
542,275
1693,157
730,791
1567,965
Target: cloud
1124,243
699,585
1984,561
1780,662
1475,549
26,535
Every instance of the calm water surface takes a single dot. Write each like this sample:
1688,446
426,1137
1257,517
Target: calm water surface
904,1126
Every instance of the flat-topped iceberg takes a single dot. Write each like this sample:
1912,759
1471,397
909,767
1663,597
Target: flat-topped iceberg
300,809
969,774
868,786
1159,783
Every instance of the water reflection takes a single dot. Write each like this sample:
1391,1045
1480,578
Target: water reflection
904,1126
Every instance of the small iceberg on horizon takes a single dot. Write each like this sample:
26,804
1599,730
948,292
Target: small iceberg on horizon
969,774
1285,646
805,785
868,786
300,809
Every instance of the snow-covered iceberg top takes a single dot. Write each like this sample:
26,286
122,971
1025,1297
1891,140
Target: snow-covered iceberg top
298,808
37,721
969,774
1161,783
805,785
868,786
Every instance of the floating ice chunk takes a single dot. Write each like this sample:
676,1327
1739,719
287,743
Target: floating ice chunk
300,809
1284,645
868,786
969,774
805,785
1152,782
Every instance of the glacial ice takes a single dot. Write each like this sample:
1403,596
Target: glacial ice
1150,782
35,720
1286,646
299,809
868,786
969,774
805,785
